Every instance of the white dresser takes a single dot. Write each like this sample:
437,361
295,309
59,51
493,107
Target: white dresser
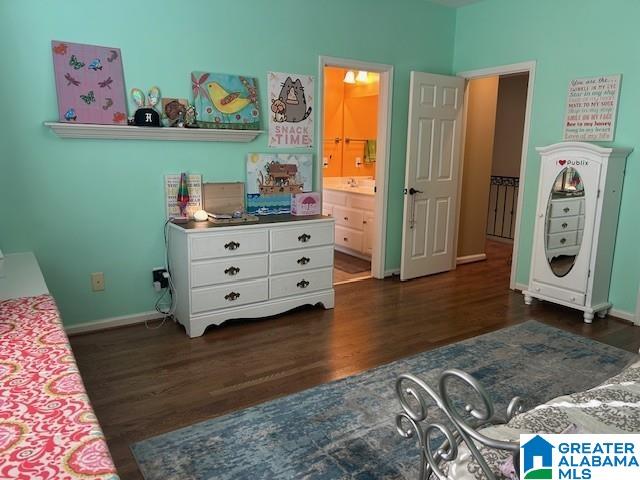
355,220
250,271
578,204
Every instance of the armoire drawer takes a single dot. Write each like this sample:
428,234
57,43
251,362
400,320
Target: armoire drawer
299,260
569,296
300,283
562,239
241,242
564,224
346,237
303,236
348,217
235,269
566,208
231,295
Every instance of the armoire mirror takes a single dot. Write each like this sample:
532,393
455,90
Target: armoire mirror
564,222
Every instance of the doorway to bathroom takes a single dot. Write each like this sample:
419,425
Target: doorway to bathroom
355,100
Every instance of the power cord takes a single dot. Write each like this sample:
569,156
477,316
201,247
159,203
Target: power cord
166,310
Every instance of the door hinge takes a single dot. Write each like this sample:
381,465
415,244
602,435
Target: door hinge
589,273
375,189
598,194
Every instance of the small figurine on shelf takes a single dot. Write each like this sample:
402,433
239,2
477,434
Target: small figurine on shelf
190,117
146,114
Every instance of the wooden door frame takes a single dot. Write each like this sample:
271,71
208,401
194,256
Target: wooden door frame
524,67
383,147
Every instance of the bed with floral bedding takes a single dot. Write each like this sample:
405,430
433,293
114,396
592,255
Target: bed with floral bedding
47,426
611,407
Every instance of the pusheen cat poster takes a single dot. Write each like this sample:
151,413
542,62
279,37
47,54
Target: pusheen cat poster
89,83
290,110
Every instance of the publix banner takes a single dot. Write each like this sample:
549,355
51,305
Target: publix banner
580,457
291,110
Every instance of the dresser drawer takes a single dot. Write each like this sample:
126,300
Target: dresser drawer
241,242
564,224
349,238
566,208
299,260
574,298
299,283
212,272
302,236
561,240
231,295
348,217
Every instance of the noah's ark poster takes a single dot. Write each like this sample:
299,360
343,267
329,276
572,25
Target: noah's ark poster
272,178
226,101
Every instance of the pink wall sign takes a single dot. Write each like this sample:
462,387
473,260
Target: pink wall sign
89,83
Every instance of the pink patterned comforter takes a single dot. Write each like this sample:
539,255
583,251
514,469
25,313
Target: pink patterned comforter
47,427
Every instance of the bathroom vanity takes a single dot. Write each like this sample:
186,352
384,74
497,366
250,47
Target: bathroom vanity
352,205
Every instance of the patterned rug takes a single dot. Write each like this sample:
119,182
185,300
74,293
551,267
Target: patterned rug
346,430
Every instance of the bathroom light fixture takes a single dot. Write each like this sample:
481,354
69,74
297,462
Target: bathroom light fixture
362,76
350,77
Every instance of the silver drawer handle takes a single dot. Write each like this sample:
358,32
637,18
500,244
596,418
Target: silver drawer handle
304,238
302,284
566,209
563,240
231,245
565,225
232,296
232,271
303,260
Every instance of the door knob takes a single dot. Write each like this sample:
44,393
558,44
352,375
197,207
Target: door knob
413,191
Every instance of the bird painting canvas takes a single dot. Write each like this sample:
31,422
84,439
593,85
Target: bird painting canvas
226,101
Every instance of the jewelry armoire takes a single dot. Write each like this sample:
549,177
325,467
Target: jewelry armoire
576,222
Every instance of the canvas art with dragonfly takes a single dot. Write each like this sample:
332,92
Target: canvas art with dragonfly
89,83
226,101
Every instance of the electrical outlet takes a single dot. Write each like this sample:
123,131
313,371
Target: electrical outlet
97,281
158,276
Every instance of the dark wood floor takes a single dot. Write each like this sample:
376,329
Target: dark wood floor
145,382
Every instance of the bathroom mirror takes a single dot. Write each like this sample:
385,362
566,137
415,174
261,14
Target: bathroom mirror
564,223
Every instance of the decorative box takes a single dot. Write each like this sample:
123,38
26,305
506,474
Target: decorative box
305,203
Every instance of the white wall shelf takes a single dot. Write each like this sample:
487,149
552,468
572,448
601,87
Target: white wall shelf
127,132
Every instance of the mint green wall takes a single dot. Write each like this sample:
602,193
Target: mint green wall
568,39
86,205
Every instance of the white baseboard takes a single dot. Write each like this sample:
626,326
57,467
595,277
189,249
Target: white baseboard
111,322
614,312
521,286
478,257
391,272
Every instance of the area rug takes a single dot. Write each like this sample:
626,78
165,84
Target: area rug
346,430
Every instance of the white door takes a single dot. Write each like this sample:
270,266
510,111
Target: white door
433,167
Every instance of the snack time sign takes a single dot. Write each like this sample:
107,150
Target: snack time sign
592,107
580,457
